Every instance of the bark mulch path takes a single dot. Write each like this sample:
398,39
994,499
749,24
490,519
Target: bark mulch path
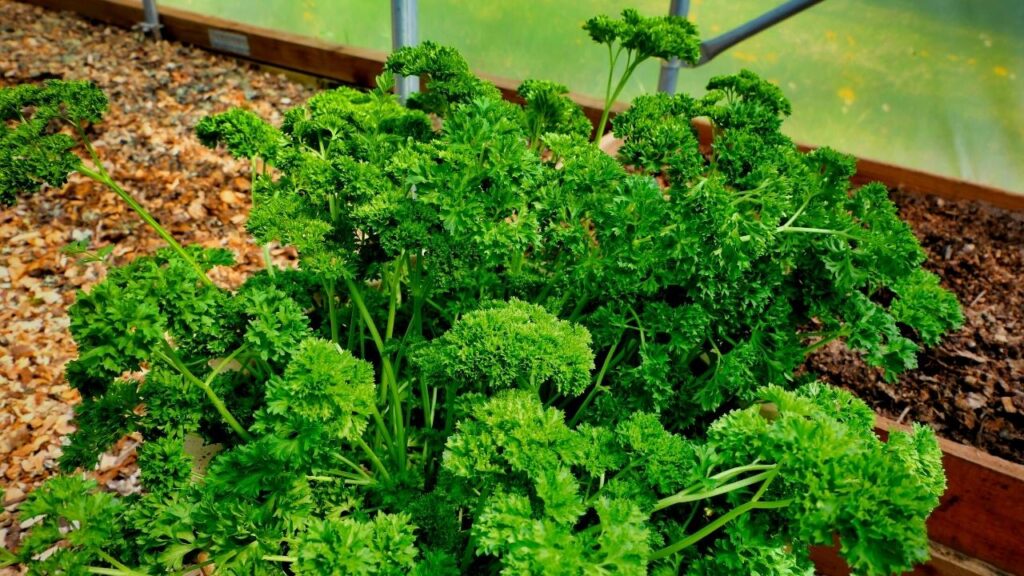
970,388
158,91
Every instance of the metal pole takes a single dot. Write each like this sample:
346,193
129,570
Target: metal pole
670,68
405,32
715,46
719,44
151,18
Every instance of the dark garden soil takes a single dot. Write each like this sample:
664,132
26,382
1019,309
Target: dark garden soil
971,387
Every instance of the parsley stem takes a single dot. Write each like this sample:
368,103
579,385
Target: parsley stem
120,566
223,364
415,326
373,458
690,517
428,415
394,295
613,59
800,229
732,472
715,525
378,419
597,383
102,177
112,571
684,496
364,313
825,340
280,558
610,99
347,479
799,211
354,466
389,373
267,260
753,504
169,356
332,314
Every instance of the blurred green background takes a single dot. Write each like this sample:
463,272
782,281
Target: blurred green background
930,84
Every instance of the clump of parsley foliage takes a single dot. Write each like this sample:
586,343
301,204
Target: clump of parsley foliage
503,350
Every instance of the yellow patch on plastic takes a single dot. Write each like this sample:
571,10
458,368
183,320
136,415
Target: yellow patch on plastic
847,95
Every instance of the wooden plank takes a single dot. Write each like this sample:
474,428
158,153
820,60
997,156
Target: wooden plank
978,528
117,12
982,511
944,562
920,181
360,66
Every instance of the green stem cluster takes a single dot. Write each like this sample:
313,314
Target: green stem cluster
169,356
766,474
610,94
99,173
691,495
390,413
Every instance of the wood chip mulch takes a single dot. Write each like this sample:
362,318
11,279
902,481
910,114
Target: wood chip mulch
970,388
158,91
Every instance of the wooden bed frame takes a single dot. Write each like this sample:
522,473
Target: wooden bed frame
978,530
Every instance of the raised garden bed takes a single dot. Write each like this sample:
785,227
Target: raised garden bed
965,505
971,387
976,531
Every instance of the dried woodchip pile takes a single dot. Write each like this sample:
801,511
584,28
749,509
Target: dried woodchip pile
158,91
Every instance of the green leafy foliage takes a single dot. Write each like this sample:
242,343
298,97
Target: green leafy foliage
33,150
510,345
505,351
658,136
547,109
640,38
346,546
75,513
244,133
450,80
325,396
840,477
648,36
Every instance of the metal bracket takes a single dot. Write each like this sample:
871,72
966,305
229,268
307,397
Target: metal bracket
709,49
151,19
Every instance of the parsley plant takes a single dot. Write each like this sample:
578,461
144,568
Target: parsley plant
503,351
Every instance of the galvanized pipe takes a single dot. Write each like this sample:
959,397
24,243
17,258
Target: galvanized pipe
405,32
719,44
715,46
670,68
151,18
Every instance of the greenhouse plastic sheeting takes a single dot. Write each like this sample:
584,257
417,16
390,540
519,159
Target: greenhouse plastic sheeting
936,85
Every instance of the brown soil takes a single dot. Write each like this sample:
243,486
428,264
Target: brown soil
971,387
